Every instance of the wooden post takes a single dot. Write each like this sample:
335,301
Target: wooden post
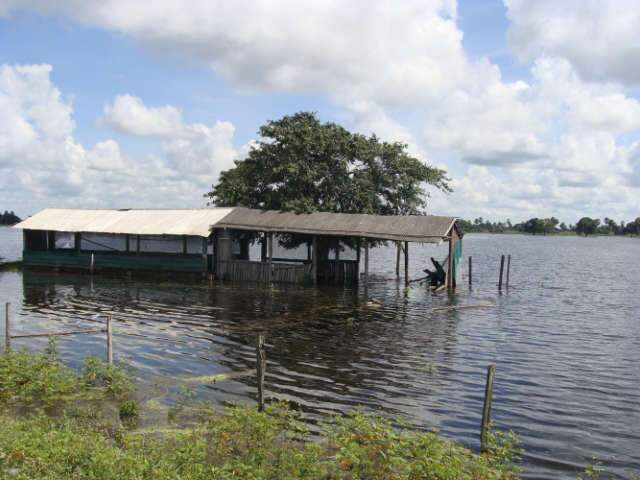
397,259
486,409
263,248
366,262
470,271
357,279
109,341
508,269
501,272
7,328
270,256
450,263
406,264
337,263
92,263
314,260
261,367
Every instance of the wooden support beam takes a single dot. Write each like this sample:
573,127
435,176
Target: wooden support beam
337,263
450,283
366,262
470,270
397,259
270,240
508,269
263,248
357,279
314,259
406,264
501,272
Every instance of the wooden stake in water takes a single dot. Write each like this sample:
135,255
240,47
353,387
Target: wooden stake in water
109,341
501,272
470,270
261,367
508,269
7,328
486,409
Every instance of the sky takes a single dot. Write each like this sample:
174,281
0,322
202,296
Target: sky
532,106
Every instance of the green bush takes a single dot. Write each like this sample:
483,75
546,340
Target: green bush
240,443
129,409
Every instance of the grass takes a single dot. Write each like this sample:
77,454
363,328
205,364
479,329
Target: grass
80,442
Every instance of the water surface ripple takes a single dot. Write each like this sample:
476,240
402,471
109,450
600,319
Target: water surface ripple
565,339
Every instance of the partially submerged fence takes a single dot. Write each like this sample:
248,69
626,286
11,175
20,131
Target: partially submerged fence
108,330
246,270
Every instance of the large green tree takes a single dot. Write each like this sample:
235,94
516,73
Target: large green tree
301,164
587,226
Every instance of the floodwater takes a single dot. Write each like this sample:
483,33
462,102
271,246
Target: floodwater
565,338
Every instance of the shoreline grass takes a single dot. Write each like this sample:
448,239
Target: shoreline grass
58,423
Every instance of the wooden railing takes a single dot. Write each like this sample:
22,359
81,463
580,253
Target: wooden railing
244,270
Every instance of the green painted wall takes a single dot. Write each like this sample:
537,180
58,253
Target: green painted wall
112,260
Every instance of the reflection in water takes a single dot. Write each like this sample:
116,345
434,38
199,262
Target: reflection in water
566,349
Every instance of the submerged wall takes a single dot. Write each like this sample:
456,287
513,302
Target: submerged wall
114,260
169,253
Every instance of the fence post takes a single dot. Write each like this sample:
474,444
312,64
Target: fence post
109,341
470,270
501,272
261,366
508,269
486,409
7,328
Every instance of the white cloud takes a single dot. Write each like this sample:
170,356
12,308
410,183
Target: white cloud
554,137
129,115
600,38
192,149
43,165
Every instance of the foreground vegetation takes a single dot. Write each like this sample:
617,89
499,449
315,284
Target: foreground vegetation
63,430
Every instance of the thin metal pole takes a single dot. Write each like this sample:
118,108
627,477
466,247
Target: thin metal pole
501,272
508,268
486,409
470,270
7,328
109,341
261,367
92,261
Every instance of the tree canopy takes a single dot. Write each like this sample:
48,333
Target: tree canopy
9,218
301,164
587,226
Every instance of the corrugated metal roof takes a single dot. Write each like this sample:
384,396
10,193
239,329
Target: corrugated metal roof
195,222
413,228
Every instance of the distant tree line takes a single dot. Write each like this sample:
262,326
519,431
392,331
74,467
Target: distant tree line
548,226
9,218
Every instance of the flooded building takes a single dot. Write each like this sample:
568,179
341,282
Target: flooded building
218,241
